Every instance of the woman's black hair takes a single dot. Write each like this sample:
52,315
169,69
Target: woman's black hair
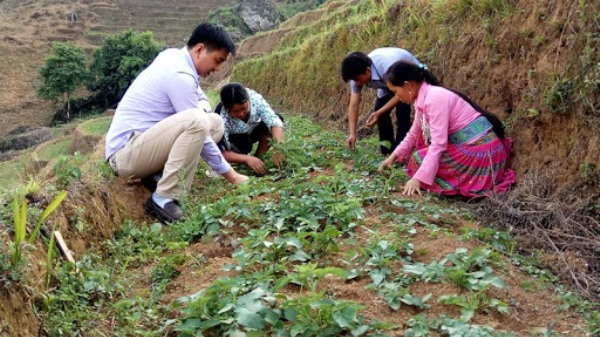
354,64
233,93
403,71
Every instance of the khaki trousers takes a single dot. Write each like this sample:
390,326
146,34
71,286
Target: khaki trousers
172,145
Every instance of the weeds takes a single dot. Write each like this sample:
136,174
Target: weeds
558,96
165,271
68,169
20,214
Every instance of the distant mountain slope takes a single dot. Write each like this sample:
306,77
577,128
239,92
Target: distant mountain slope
27,30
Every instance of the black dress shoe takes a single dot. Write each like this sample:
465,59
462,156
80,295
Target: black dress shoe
167,215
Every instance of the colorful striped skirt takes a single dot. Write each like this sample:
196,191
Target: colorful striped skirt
475,164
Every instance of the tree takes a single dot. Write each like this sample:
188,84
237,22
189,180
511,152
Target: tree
117,62
64,71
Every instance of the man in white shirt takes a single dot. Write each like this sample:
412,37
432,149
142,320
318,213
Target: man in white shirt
163,122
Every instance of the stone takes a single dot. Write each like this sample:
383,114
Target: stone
259,15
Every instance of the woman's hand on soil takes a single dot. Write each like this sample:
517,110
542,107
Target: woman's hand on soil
351,142
387,164
413,186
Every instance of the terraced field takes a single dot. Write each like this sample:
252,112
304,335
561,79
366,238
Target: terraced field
170,21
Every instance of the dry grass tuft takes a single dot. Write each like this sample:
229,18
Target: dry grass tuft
561,222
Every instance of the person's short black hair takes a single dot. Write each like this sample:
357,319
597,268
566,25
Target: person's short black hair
354,64
233,93
214,36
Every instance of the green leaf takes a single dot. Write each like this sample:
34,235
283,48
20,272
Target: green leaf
498,282
466,314
346,318
378,275
290,314
361,330
20,219
53,205
226,308
194,325
249,318
272,317
156,228
353,273
293,242
417,269
300,255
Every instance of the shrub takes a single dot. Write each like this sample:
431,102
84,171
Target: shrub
118,61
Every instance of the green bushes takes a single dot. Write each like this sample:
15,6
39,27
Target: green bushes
114,66
118,61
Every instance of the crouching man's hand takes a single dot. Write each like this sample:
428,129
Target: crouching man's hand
235,178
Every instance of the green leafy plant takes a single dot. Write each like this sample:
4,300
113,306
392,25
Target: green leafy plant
166,271
471,303
433,272
229,306
498,239
68,168
588,172
453,327
20,222
472,271
559,95
593,321
117,62
396,294
309,275
80,290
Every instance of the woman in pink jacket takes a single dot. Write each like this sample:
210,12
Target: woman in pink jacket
453,146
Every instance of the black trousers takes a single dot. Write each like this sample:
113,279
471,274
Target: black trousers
243,142
386,127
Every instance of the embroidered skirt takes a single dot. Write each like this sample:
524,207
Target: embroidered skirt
476,162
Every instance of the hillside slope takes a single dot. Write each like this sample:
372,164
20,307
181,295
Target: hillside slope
536,65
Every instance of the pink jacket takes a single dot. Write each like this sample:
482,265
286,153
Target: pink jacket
445,112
